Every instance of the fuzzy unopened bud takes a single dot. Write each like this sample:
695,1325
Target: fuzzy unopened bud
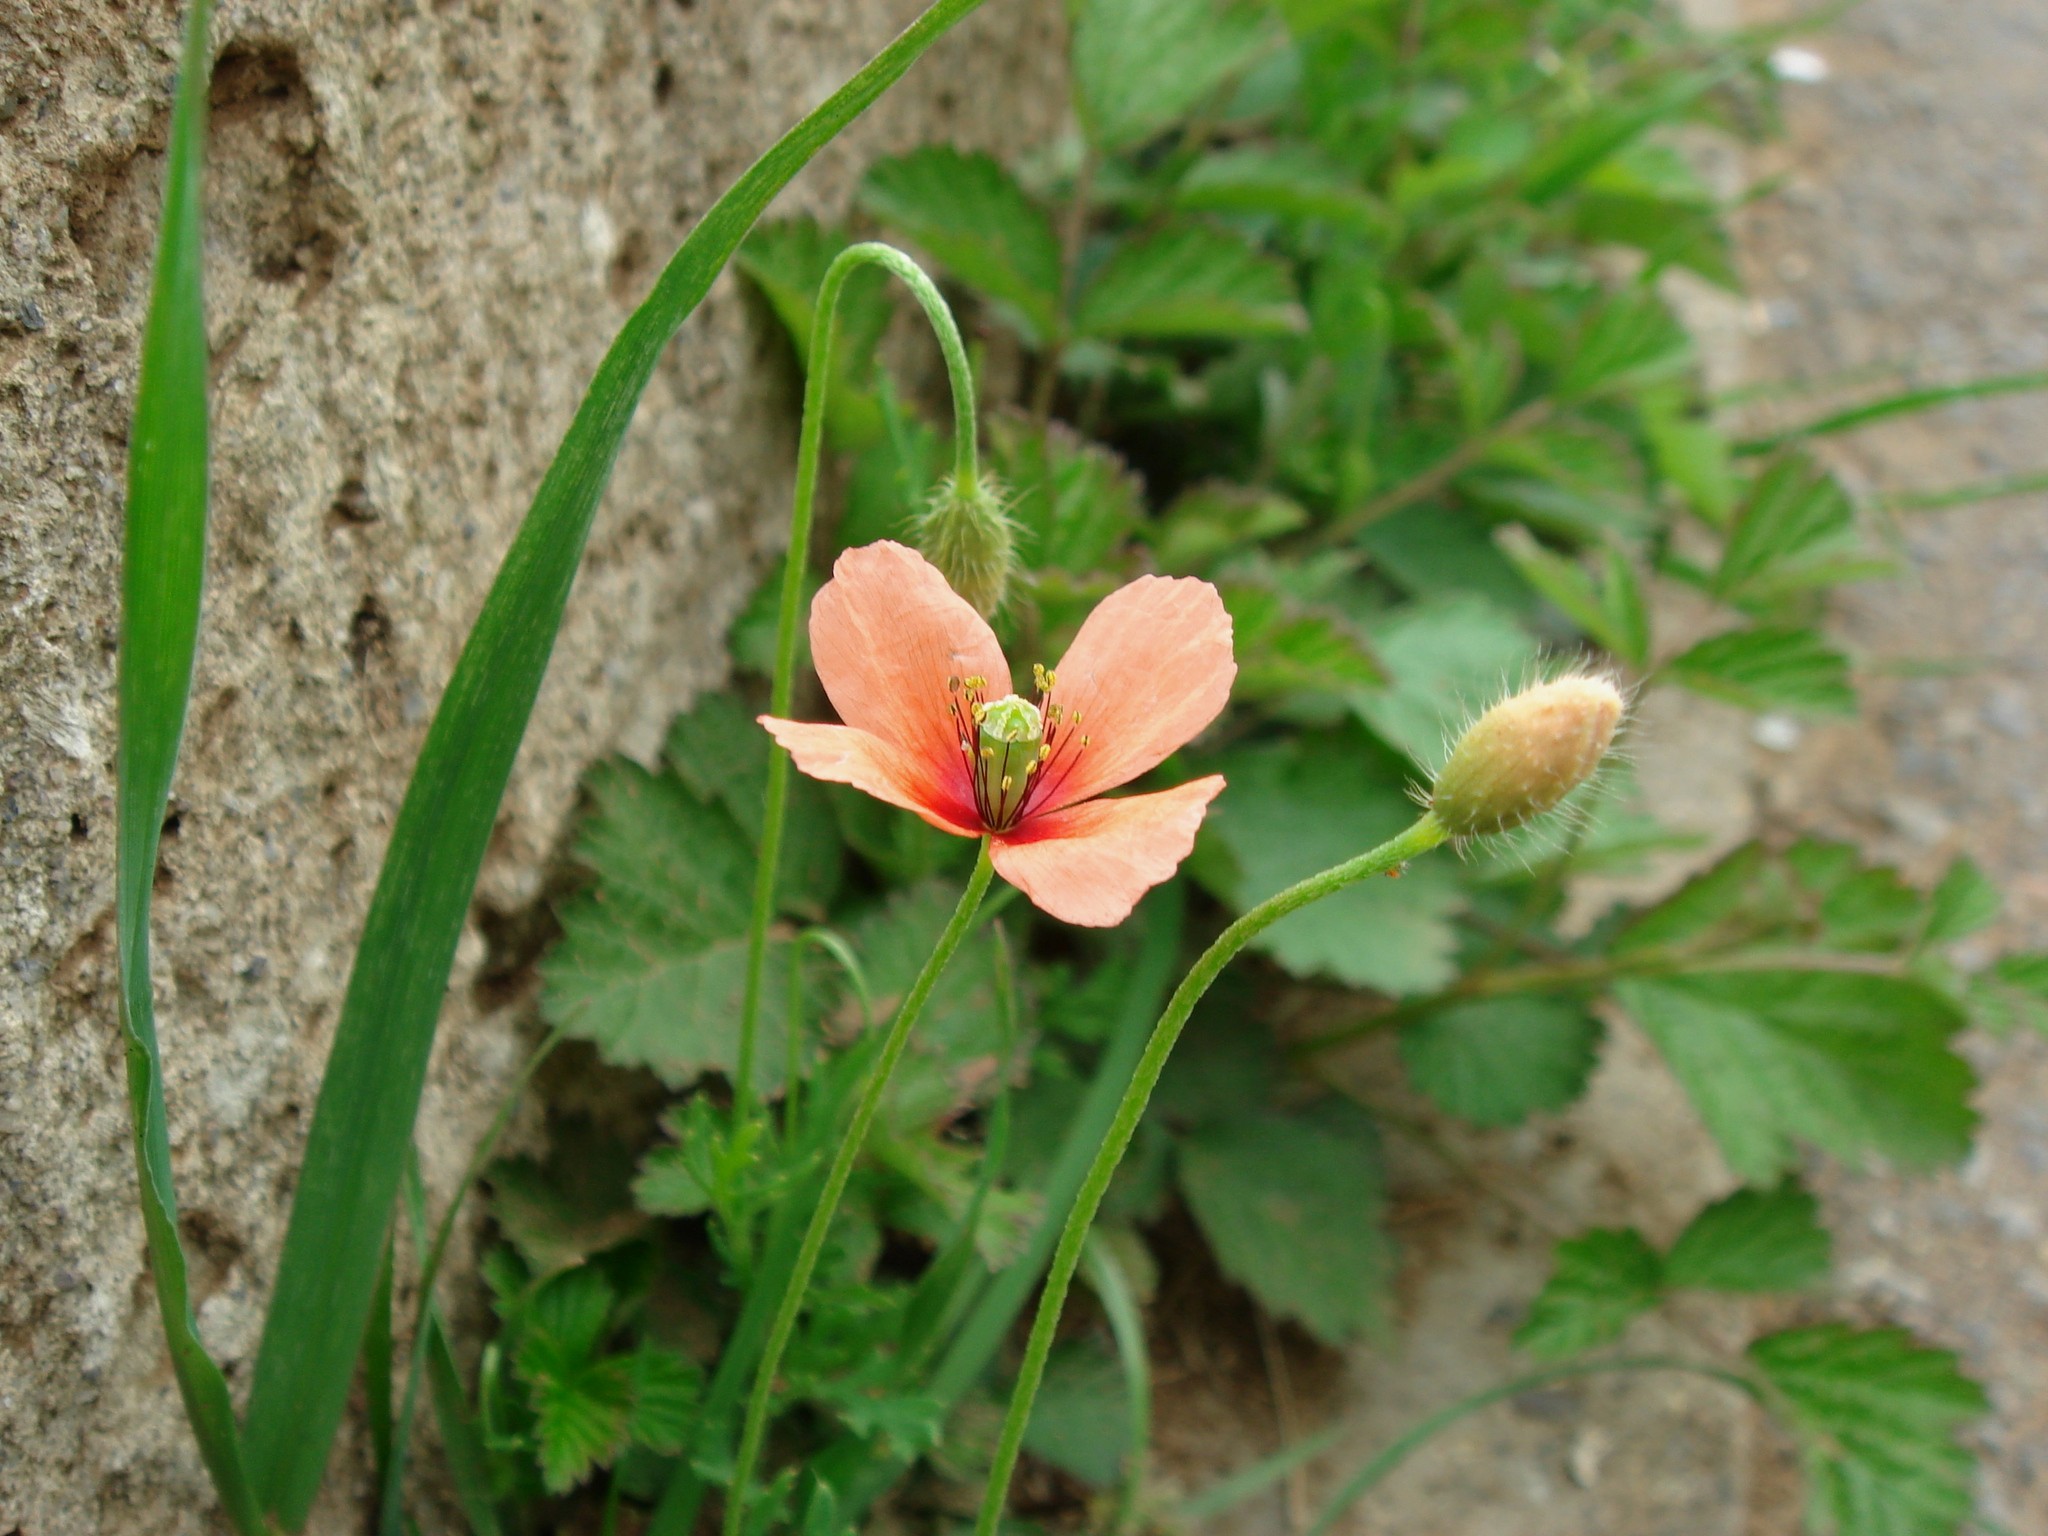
1525,754
967,533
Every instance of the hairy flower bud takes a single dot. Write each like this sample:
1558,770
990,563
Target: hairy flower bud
967,533
1525,754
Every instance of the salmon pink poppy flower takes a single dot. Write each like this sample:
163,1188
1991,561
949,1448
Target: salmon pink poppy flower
932,726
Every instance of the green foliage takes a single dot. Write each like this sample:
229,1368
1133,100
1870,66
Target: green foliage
1603,1281
1755,1240
1496,1061
1878,1414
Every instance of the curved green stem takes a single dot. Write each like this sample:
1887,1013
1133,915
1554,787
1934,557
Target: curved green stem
809,453
1426,834
1369,1474
391,1518
850,1146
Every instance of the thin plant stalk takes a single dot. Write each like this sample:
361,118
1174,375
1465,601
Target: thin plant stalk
1361,1481
756,1425
809,453
1388,858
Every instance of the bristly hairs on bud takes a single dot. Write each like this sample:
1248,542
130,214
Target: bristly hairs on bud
968,533
1526,754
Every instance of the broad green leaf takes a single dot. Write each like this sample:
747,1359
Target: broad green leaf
1438,551
1600,1283
972,218
1496,1061
1189,282
1283,652
1078,1421
369,1097
1879,1414
1449,658
1291,1205
1672,233
787,260
1755,1240
1769,667
163,561
1853,1063
1964,903
1614,126
1796,529
559,1216
1074,501
652,962
1140,66
1288,180
1576,483
1296,808
1731,900
1692,453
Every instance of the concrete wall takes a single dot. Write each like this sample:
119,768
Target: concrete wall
426,221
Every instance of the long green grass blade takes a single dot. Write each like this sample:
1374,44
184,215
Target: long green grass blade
1904,403
163,565
355,1151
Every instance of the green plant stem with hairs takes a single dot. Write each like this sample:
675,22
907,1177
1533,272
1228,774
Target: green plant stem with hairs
1387,858
809,453
755,1428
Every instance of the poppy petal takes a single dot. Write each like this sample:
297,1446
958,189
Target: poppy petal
841,755
1090,864
886,634
1150,668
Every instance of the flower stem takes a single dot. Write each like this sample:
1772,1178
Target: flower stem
810,448
1387,858
850,1146
1366,1476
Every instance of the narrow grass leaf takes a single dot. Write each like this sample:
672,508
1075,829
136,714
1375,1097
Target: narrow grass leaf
356,1148
163,564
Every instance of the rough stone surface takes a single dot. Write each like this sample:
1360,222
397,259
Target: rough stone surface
426,221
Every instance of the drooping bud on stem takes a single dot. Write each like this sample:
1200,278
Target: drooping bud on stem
967,533
1524,755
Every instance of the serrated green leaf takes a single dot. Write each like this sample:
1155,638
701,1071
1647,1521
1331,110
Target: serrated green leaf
1288,180
1755,1240
666,1388
1496,1061
1964,903
1577,484
1879,1414
1611,613
1795,529
652,964
1769,667
1853,1063
1078,1421
1189,282
1291,1205
1728,900
1297,808
1871,910
1074,501
972,218
580,1420
1692,453
1600,1282
1448,658
1632,341
1140,66
557,1222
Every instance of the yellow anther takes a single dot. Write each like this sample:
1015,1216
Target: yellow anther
1044,753
1084,741
988,753
1008,783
